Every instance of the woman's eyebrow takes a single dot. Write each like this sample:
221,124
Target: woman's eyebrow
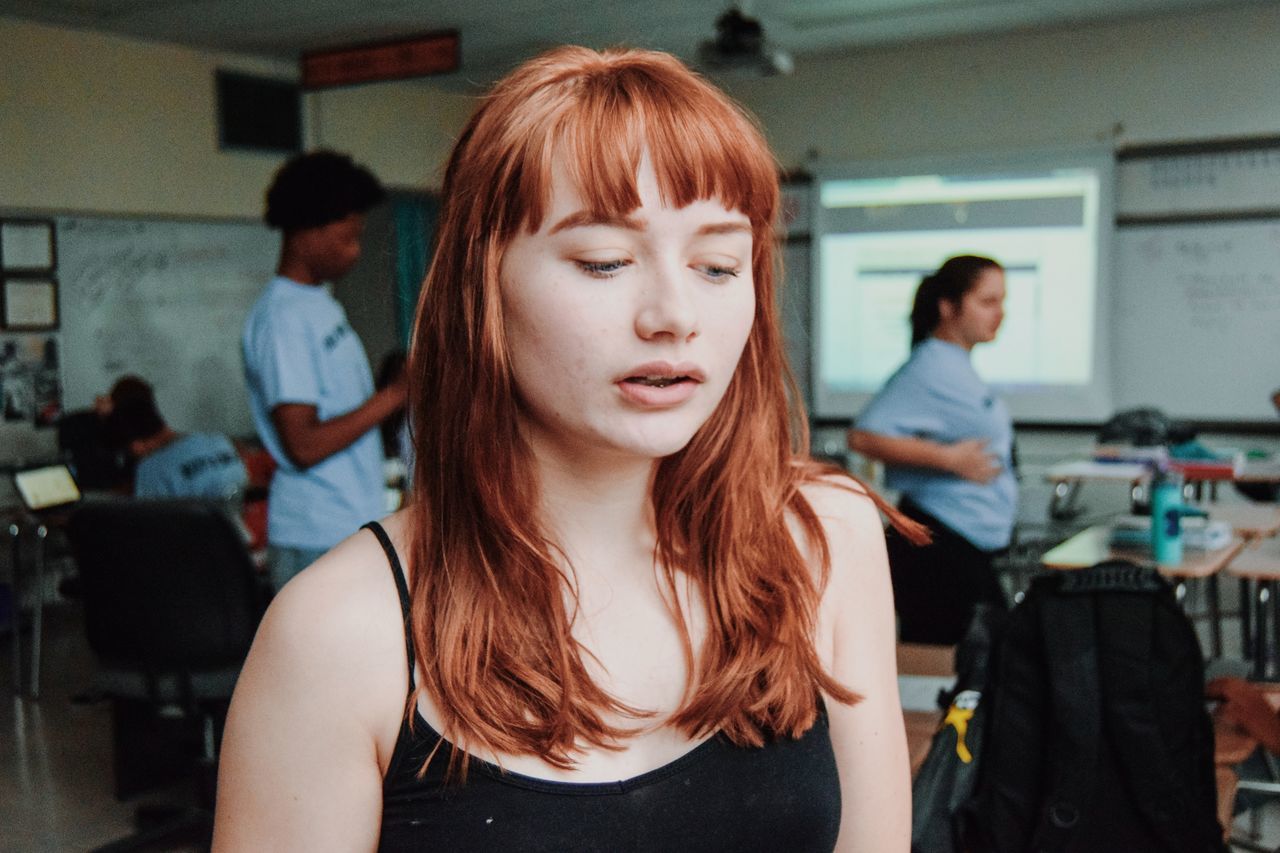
585,218
734,227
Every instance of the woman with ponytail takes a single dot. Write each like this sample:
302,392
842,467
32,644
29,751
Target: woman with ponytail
947,445
624,611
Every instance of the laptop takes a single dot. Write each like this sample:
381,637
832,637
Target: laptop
45,488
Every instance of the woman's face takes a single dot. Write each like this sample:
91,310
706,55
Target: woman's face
981,310
623,334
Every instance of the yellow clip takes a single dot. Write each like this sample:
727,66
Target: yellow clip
959,718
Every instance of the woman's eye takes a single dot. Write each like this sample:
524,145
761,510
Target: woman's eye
715,272
602,269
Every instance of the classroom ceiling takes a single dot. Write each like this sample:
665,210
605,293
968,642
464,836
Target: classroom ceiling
499,33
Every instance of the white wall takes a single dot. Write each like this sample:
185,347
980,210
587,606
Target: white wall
1187,77
104,124
96,123
116,125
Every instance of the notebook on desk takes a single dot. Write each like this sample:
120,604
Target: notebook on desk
45,488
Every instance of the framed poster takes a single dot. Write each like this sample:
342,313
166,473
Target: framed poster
27,245
29,303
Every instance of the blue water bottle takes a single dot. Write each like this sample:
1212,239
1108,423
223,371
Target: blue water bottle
1167,511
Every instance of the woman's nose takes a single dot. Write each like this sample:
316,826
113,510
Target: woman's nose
667,307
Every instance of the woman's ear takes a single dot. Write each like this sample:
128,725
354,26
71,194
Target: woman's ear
947,310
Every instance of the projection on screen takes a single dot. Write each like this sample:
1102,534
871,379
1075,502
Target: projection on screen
879,237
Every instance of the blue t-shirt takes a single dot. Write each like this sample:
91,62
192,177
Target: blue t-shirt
299,348
198,465
938,396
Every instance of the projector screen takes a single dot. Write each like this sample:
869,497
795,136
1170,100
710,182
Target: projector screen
1046,218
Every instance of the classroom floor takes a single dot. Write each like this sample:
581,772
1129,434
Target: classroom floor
55,754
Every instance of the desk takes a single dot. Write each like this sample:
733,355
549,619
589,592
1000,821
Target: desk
1067,477
1266,470
1259,566
1248,521
1092,545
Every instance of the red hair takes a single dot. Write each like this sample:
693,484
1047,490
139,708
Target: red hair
488,589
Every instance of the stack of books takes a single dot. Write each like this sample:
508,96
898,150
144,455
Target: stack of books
1134,531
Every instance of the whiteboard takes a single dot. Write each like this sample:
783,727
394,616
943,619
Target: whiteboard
164,300
1196,327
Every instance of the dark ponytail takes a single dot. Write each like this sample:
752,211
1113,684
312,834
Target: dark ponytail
951,282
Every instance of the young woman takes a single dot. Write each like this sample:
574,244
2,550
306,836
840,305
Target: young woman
947,443
623,611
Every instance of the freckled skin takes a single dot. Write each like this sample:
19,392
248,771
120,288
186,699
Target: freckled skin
586,305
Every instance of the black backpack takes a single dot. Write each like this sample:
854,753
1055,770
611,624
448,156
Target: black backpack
1097,739
947,775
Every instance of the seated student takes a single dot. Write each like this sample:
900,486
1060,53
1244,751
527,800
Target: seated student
171,464
84,443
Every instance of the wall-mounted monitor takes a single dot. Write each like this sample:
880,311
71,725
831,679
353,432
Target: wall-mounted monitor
258,113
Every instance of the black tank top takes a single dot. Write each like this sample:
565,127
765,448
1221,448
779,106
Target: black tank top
784,796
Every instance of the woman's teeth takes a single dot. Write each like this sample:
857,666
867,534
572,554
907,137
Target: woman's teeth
656,381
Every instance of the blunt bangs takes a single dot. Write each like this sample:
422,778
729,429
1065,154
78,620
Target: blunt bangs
604,117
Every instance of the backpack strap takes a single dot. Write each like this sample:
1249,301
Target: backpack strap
1073,739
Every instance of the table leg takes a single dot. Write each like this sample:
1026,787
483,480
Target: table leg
1260,631
1275,628
37,610
1215,617
1062,503
1246,618
14,533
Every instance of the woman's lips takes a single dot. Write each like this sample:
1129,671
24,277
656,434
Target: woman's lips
665,392
660,384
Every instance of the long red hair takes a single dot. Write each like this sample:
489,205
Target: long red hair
488,586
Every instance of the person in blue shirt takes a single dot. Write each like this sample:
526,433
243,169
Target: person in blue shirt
310,387
947,445
170,464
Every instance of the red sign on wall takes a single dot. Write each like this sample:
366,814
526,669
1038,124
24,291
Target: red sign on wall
433,53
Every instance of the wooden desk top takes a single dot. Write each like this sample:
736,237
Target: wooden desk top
1260,561
1260,471
1247,520
1087,469
1091,546
1253,471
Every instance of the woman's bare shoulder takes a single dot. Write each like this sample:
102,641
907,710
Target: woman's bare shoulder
327,668
348,584
844,507
853,530
339,620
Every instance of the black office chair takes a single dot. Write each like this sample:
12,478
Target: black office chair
171,604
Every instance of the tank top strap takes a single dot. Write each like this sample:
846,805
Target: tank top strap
402,588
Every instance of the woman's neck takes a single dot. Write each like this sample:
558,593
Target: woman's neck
952,337
598,511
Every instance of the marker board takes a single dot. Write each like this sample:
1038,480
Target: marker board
164,300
